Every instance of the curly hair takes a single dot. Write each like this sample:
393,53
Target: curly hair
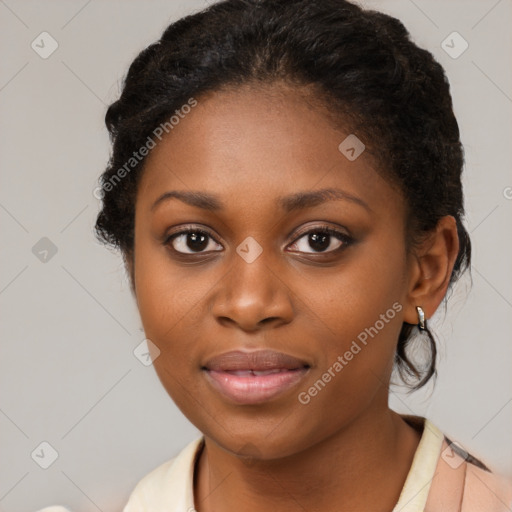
362,65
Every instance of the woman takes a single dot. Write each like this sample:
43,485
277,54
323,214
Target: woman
285,189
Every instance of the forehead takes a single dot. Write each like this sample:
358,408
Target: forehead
254,143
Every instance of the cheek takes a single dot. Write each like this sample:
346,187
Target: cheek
172,304
170,308
168,296
354,296
361,311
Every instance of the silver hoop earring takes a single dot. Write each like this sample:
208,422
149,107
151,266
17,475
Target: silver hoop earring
422,323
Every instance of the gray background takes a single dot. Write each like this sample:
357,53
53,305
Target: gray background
69,325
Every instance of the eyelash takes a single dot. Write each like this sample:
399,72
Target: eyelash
339,235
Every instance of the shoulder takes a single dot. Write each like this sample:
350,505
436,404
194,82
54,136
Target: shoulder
463,483
485,490
171,482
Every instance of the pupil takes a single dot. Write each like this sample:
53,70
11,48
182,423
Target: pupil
196,241
319,241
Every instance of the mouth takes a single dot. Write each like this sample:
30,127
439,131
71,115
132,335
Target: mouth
254,377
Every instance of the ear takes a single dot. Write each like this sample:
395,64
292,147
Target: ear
431,268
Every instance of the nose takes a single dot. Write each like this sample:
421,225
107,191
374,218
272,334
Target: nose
253,295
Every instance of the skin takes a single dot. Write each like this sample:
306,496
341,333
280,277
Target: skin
345,450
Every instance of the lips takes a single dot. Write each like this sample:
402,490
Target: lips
254,377
258,361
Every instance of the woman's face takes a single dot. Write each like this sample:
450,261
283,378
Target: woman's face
258,281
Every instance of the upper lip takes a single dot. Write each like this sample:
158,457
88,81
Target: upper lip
257,360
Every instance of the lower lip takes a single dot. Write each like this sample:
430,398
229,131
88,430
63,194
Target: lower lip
254,389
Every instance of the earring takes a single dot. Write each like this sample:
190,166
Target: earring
422,323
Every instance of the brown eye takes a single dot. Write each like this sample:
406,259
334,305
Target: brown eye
321,240
192,241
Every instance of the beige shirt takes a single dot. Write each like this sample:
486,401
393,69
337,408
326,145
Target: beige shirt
442,478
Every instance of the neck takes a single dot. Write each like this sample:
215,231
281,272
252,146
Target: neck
361,467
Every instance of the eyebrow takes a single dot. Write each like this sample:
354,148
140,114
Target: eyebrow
293,202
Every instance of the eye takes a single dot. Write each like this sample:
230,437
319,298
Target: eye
191,241
322,239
